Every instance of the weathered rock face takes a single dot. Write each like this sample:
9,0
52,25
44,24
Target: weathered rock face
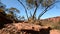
24,28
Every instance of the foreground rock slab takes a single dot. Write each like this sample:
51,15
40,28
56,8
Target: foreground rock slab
25,28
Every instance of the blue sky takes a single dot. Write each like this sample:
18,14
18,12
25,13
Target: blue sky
51,13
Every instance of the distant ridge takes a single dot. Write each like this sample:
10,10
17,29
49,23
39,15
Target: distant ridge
49,17
52,19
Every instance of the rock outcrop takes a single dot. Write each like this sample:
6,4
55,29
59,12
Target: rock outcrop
24,28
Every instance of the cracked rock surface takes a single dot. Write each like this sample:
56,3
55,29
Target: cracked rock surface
26,28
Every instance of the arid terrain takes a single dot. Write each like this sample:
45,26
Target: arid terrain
24,17
52,27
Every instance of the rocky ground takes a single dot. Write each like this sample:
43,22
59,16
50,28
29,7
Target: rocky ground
26,28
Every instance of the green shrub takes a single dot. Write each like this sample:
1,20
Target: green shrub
57,27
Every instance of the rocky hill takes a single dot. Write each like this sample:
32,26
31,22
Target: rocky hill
53,20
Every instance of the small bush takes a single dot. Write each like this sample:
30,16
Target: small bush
57,27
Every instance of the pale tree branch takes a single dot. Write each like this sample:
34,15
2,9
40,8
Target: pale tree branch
37,6
30,14
34,14
24,8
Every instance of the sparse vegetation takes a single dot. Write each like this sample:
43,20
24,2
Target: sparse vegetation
57,27
9,17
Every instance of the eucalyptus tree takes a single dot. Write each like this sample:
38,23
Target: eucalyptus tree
45,4
37,4
12,14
